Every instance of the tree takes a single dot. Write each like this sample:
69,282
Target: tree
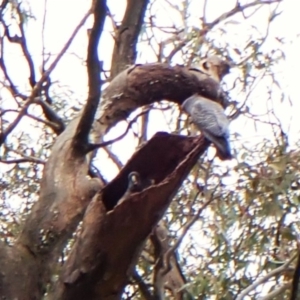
77,237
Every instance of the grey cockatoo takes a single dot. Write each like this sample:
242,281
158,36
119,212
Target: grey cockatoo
212,69
210,118
213,66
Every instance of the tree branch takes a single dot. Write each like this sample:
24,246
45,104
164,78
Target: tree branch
296,277
90,270
24,47
145,84
12,87
124,53
236,9
39,84
167,257
53,120
23,160
274,294
255,284
92,147
93,70
142,286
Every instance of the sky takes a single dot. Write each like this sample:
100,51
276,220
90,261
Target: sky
58,24
71,70
62,16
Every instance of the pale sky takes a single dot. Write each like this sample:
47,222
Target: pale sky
63,15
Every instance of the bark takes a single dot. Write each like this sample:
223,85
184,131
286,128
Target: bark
173,278
124,53
107,248
66,190
19,273
112,234
141,85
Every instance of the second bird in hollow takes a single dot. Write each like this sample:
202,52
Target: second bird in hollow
210,118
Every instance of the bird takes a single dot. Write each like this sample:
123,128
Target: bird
213,66
135,185
212,70
210,118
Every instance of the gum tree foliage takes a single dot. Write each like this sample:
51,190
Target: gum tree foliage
201,228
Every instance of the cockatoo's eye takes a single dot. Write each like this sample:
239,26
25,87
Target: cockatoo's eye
205,65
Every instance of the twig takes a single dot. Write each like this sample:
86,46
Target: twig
92,147
39,84
144,127
204,11
3,112
236,9
114,158
142,286
55,121
57,128
43,34
22,160
23,43
255,284
12,87
185,230
3,5
276,292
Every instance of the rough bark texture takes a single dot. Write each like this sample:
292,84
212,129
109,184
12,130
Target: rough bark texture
19,274
112,234
66,190
124,53
145,84
111,240
173,278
